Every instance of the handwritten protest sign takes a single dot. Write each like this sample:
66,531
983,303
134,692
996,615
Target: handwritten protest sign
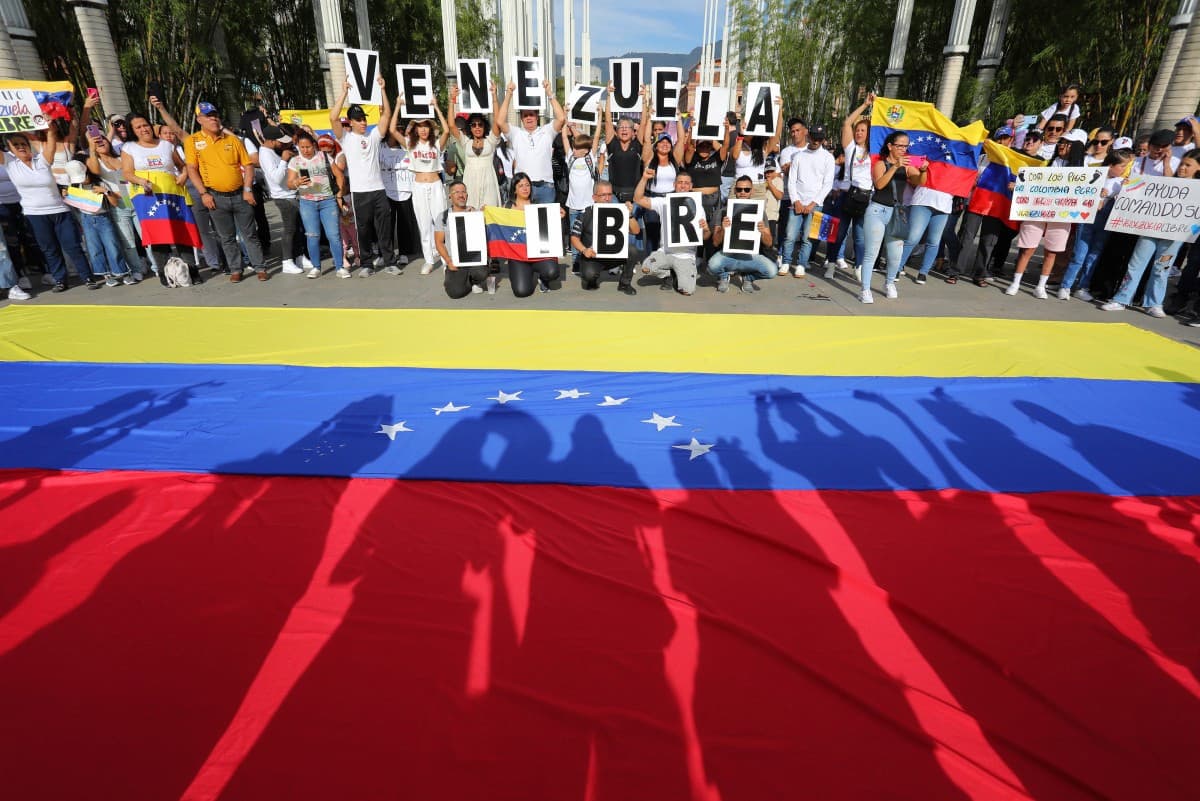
1057,194
19,111
1164,208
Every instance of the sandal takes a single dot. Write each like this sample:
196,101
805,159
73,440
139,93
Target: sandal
951,279
981,282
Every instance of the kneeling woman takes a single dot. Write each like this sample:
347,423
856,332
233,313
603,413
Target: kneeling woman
1158,253
521,273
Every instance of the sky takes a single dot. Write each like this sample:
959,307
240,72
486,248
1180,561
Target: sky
623,26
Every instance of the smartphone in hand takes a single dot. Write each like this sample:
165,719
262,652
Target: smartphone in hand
94,131
93,92
917,161
154,89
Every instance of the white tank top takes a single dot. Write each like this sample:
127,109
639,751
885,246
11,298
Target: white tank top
158,157
664,180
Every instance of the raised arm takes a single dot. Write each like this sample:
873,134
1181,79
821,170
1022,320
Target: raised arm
445,126
167,119
852,117
609,131
645,126
335,111
393,127
773,143
639,194
385,113
680,146
560,116
501,111
502,115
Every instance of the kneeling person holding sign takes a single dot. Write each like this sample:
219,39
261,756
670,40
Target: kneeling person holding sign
465,255
745,235
601,235
684,230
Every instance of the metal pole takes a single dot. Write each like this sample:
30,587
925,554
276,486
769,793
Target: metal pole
895,67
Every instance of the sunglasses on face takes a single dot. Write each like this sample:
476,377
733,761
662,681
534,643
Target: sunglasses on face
743,190
1104,142
1058,129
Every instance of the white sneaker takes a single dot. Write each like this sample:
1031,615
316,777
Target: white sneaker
799,270
427,268
1064,293
24,282
1013,288
314,272
306,262
866,297
342,272
830,269
1083,294
841,264
16,293
1040,293
476,289
290,268
1112,305
1153,311
889,290
784,269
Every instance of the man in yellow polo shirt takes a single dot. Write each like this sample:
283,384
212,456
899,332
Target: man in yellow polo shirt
223,175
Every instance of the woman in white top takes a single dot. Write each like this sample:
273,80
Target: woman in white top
856,174
102,161
146,154
45,211
478,146
663,158
429,196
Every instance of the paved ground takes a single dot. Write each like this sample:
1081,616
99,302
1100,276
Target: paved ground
809,295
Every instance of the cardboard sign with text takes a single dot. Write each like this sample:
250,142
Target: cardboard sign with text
19,111
1057,194
1163,208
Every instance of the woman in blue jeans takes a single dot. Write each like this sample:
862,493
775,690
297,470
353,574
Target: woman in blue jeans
881,223
316,179
45,212
1090,239
1157,252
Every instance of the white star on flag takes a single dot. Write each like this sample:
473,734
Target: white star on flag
449,407
696,448
393,429
609,400
570,393
504,397
657,419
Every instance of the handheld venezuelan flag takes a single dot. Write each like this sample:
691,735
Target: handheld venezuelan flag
992,196
953,152
505,233
824,227
287,558
55,97
318,119
165,215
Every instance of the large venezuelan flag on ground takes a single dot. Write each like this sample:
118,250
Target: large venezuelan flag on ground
953,151
166,215
992,196
882,558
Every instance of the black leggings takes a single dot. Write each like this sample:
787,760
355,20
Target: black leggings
520,274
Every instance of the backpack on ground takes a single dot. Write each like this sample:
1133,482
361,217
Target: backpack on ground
177,272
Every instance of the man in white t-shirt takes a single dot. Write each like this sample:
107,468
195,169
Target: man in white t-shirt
798,131
372,212
810,180
1055,128
678,260
533,146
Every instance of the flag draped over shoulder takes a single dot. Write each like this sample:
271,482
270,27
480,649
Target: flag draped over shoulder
318,119
992,197
505,233
953,152
165,216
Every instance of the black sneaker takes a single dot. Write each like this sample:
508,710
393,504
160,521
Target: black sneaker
627,290
921,278
94,284
59,287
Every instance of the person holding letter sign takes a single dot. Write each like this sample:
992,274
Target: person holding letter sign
533,145
595,235
749,266
425,159
372,212
460,281
478,147
1157,252
677,218
521,273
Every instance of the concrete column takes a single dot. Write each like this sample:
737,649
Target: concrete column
993,51
955,54
9,69
895,67
1178,31
1183,89
546,41
450,40
363,20
568,45
92,16
22,37
323,59
333,45
725,45
585,44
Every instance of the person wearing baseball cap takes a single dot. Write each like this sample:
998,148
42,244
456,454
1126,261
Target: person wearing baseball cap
221,170
1185,137
118,132
273,156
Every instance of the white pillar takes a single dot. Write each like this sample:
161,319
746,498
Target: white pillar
22,36
9,69
334,45
725,45
1166,67
92,16
993,51
363,20
955,54
546,41
585,45
1183,91
449,39
323,58
568,24
895,67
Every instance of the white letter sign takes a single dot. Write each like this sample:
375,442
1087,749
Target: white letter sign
543,231
466,238
742,236
362,70
527,75
682,223
416,87
711,103
583,104
665,85
626,75
610,230
762,113
474,76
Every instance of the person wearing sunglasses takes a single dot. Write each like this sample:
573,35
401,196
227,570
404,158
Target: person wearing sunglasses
750,267
1054,131
1099,146
478,147
591,265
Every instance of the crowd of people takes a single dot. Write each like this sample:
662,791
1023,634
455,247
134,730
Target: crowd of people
374,197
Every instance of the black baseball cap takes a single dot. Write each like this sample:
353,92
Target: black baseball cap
275,134
817,133
356,112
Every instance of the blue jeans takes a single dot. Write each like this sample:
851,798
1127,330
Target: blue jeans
1160,253
103,247
57,237
572,216
875,223
924,222
8,273
797,228
1089,246
851,225
542,192
316,215
756,266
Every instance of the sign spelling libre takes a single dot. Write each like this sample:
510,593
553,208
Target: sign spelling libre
1163,208
1057,194
19,111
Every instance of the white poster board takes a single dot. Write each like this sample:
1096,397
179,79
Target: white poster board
529,94
583,104
1057,194
474,79
466,238
610,230
665,86
742,237
681,223
711,105
362,70
626,75
761,109
19,111
1164,208
416,87
543,231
